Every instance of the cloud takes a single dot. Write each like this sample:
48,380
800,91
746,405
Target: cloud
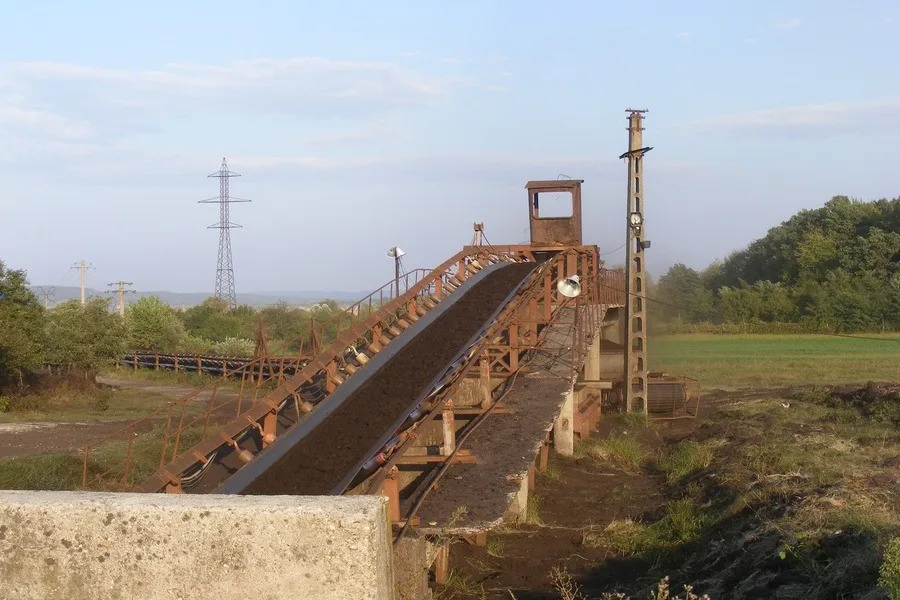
56,102
828,118
685,34
789,24
20,118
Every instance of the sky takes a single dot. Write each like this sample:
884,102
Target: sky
357,126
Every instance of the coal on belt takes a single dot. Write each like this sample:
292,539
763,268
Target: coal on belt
320,460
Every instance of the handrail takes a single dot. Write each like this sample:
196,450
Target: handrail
326,365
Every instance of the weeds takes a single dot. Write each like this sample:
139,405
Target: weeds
682,524
684,458
533,510
458,583
565,585
495,546
635,420
627,453
48,471
889,574
552,473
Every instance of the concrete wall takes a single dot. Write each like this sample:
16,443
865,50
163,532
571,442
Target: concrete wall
78,545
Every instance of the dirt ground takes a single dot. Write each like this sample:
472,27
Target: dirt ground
30,438
741,553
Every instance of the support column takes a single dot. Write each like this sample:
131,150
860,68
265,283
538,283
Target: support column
563,429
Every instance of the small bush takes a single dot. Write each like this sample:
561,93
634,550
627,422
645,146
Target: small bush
100,403
4,404
683,459
889,574
27,403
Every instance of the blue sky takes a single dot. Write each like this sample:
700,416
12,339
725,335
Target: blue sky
360,125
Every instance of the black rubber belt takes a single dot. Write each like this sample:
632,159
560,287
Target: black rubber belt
240,480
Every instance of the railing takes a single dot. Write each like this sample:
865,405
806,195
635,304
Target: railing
369,330
226,366
300,394
122,459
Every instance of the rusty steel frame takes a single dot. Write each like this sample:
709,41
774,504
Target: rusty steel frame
540,289
336,363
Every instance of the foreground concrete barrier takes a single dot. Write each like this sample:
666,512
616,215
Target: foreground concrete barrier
79,545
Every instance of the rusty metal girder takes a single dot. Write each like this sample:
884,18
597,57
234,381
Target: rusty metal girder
335,364
507,324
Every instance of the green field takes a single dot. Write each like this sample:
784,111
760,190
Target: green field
729,361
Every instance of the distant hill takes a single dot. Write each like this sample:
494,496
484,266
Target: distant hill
187,299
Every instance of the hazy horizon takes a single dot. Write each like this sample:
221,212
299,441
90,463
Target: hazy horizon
357,127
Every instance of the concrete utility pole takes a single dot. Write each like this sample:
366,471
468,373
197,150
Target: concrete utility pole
120,295
83,267
636,369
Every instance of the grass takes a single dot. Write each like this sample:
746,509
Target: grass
68,405
734,361
62,471
495,546
682,523
683,459
41,472
170,378
623,451
889,573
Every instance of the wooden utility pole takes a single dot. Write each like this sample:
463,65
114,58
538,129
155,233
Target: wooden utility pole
636,369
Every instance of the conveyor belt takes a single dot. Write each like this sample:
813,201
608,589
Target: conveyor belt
316,458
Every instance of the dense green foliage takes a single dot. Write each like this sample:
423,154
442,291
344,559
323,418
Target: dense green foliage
832,269
152,324
21,332
87,338
83,337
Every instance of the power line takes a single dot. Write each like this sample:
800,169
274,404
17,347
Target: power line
722,316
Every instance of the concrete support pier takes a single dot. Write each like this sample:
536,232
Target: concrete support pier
81,545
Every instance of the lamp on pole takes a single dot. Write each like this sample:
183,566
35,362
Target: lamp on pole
396,252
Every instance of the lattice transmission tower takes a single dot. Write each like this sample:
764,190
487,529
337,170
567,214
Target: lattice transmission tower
224,268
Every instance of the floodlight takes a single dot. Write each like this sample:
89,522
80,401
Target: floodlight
570,286
395,252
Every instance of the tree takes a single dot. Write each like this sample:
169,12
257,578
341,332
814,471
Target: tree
681,287
151,324
21,326
213,321
84,338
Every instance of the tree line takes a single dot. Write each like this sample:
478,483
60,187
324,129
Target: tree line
86,338
831,269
